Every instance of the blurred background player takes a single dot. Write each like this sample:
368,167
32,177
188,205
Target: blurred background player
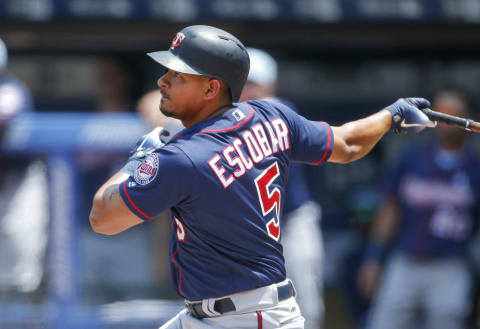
301,237
429,214
15,96
116,84
116,91
23,199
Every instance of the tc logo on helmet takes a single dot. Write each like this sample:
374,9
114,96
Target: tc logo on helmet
177,41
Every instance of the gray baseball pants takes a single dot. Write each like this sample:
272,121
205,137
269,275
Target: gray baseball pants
257,308
439,289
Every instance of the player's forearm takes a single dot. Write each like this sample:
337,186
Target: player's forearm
382,230
385,223
105,215
355,139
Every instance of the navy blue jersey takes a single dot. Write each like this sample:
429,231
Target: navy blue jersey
439,195
224,180
297,190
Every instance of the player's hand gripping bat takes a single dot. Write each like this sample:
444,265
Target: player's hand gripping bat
467,124
145,145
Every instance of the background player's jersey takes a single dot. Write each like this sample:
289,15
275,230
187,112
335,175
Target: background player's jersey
224,180
439,195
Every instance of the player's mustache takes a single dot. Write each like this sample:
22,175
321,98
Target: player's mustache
164,94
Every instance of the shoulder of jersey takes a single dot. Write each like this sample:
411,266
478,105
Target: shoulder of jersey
272,105
148,170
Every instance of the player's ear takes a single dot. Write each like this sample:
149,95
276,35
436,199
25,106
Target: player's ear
213,89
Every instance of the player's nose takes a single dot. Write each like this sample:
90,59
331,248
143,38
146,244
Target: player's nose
162,82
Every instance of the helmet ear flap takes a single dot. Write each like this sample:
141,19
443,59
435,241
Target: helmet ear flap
228,92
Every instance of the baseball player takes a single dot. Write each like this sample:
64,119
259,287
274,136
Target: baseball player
431,209
301,236
224,178
15,96
23,181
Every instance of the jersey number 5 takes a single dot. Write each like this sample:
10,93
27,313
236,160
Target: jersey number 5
270,200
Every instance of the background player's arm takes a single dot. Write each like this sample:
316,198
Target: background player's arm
355,139
382,231
110,215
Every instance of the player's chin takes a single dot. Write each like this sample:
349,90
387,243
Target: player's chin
167,112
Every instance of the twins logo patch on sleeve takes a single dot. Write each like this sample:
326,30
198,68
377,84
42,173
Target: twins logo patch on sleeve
147,171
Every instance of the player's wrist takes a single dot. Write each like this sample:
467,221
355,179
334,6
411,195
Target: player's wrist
397,112
407,115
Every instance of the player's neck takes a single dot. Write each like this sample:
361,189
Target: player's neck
207,113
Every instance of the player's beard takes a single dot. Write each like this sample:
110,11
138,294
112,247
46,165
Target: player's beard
165,111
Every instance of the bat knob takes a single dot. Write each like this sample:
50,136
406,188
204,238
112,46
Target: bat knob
475,127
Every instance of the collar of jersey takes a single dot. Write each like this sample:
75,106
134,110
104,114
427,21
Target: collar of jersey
222,123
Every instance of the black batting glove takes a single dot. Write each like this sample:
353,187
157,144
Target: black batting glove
408,117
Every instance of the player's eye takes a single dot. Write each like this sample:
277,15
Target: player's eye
176,75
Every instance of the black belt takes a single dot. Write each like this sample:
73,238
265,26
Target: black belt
225,305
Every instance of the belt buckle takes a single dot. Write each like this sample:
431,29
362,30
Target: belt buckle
292,286
286,291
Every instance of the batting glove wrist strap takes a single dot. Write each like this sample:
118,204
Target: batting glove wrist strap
407,115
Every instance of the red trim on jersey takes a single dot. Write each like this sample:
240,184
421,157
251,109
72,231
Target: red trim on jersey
259,318
329,139
180,275
178,136
133,203
250,115
182,228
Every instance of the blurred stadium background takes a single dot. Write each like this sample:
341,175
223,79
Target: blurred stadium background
85,65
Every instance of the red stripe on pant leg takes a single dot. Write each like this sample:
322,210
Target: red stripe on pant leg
259,317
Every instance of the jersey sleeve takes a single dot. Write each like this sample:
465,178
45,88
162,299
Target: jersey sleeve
311,141
164,179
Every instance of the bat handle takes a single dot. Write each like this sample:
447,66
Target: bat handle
450,119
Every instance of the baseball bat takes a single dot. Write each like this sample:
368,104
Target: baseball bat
467,124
